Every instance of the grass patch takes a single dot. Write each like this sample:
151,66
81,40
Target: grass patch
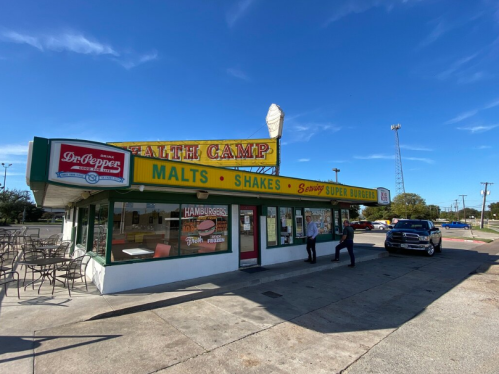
468,238
491,231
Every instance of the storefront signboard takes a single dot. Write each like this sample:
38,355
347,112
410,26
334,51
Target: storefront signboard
383,196
87,164
168,173
225,153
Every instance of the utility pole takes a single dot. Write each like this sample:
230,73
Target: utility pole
464,208
457,211
483,204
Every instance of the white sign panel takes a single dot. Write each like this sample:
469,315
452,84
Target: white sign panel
383,196
275,120
86,164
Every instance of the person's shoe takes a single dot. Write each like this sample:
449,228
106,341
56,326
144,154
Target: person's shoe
312,262
351,266
335,260
309,260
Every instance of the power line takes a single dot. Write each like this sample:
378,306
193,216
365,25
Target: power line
464,207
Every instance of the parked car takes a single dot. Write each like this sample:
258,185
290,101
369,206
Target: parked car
362,225
414,234
456,225
381,226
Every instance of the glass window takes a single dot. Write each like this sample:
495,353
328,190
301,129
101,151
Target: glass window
271,226
286,221
322,218
83,231
204,229
337,221
145,230
100,229
345,214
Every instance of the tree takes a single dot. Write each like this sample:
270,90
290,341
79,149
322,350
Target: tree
13,203
494,209
433,212
372,213
354,211
409,205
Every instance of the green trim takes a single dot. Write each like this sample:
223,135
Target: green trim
110,227
90,229
78,225
99,259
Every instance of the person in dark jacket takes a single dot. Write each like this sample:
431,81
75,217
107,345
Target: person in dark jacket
346,241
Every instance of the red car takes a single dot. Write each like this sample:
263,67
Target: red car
362,225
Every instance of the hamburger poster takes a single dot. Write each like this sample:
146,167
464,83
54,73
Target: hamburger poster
204,228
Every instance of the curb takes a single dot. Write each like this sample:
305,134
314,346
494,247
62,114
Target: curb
463,240
252,281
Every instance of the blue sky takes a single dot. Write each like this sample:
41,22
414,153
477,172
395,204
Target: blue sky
342,71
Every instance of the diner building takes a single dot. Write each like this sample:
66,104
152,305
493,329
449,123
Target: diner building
147,220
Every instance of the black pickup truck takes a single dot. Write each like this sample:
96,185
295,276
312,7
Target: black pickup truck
414,234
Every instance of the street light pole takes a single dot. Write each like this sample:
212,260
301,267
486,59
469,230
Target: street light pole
464,207
336,171
5,173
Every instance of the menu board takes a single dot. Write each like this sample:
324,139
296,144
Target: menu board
271,230
299,226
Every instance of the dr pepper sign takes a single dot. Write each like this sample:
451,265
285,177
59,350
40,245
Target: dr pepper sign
87,164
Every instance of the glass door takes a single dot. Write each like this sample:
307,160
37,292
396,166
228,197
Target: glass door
248,236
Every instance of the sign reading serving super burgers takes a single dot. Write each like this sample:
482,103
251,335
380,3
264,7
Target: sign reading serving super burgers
87,164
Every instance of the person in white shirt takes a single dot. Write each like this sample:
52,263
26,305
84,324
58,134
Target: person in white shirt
311,235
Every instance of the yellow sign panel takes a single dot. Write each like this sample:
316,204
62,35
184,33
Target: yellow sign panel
252,152
175,174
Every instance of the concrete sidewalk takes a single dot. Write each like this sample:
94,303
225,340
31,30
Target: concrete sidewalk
321,321
60,308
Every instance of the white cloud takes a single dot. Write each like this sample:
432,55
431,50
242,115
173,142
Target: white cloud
392,157
473,77
304,160
426,160
77,43
237,11
471,113
360,6
130,63
478,128
73,42
236,73
462,117
14,37
484,147
375,157
14,149
443,26
493,104
415,148
456,66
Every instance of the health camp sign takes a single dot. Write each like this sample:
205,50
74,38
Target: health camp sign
176,174
254,152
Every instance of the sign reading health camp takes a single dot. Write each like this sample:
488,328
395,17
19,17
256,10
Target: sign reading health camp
90,165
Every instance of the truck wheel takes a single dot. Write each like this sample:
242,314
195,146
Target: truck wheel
430,251
446,227
390,249
438,248
466,228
